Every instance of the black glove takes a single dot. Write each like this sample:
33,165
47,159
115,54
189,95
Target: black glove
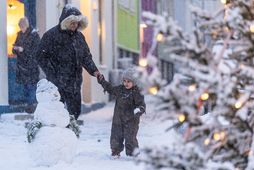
100,78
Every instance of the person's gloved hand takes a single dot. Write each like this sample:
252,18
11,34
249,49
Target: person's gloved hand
96,73
137,112
100,78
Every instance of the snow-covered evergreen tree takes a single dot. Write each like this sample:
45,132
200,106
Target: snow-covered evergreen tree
214,71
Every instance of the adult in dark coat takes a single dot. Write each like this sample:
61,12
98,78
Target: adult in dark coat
129,106
62,54
27,70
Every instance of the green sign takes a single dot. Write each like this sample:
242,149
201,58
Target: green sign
128,25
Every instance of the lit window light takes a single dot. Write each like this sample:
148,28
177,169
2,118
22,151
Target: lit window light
10,30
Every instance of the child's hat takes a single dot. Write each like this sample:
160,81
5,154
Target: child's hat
130,74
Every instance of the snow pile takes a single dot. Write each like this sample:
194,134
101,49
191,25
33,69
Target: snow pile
53,142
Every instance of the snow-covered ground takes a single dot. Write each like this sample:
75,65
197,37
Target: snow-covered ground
93,146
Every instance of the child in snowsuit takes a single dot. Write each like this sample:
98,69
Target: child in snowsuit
129,106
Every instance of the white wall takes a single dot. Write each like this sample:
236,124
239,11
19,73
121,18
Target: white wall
48,13
91,90
108,34
3,56
180,10
107,48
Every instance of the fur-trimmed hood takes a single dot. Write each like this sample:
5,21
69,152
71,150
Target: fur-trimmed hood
69,14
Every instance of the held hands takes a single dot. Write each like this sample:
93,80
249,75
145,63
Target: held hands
96,74
99,77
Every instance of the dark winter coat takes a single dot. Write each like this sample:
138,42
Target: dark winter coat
125,123
27,71
63,53
126,100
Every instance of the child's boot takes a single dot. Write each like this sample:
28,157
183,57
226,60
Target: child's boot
115,155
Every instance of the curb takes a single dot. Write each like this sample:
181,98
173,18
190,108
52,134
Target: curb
21,109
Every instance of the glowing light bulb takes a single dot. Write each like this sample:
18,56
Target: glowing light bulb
222,135
226,28
238,105
192,87
204,96
143,62
153,90
216,136
252,28
223,1
12,6
159,37
207,141
181,118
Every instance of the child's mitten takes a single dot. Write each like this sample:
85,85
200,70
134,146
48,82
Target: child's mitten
137,112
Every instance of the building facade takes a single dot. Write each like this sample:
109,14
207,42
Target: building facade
4,97
100,35
146,32
180,11
127,32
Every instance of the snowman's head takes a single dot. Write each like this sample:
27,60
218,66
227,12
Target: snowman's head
47,91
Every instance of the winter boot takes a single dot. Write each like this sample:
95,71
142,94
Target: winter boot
74,126
115,155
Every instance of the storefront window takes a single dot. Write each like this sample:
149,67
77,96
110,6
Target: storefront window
15,11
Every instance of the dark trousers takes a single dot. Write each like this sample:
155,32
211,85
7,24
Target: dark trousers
30,93
124,132
72,101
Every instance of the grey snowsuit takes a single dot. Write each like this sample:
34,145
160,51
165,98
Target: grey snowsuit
125,123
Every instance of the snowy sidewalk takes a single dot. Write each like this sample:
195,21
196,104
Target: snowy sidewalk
93,148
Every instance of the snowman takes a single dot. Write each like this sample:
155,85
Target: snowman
50,139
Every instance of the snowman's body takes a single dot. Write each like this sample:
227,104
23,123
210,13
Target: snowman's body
53,142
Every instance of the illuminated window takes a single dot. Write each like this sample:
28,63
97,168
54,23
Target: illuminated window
15,11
